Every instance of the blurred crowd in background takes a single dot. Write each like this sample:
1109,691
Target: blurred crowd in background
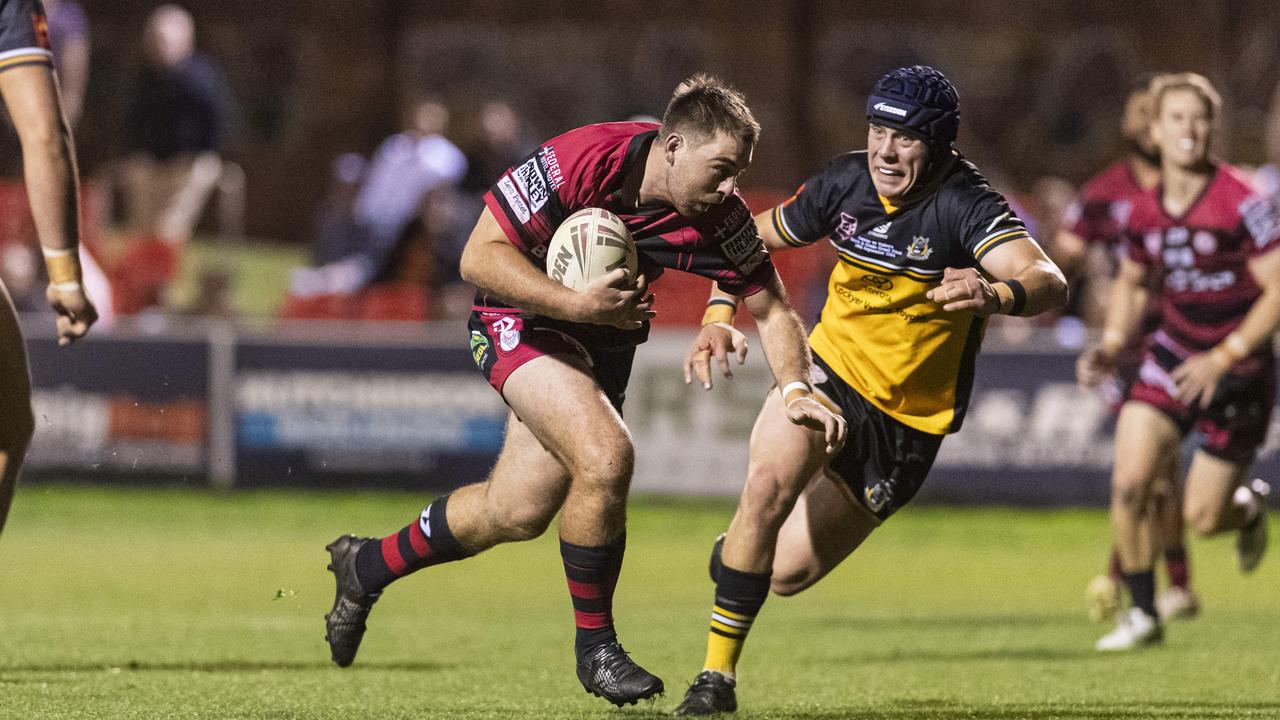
202,183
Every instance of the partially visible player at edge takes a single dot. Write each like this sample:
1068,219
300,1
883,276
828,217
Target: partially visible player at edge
927,251
30,90
561,359
1209,366
1094,238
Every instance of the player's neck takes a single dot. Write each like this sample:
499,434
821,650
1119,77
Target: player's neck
646,184
1146,174
1180,187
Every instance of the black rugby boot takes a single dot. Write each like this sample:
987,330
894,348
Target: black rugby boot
710,693
607,671
344,625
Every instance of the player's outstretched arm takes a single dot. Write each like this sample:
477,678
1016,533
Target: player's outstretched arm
717,339
1125,304
1197,377
782,337
491,262
31,95
1027,283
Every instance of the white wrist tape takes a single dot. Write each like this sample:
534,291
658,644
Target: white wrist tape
797,385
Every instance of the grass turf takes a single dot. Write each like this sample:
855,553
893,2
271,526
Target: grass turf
178,604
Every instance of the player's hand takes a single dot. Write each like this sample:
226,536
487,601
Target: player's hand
716,340
965,289
1093,366
806,411
1197,378
613,300
76,312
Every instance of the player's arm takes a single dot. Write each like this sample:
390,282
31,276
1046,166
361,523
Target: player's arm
1197,376
782,336
1027,283
491,262
718,338
31,95
1125,304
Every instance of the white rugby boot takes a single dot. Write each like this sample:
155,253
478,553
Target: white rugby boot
1178,603
1251,544
1134,629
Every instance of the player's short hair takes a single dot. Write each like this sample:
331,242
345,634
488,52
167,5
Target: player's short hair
706,104
1194,82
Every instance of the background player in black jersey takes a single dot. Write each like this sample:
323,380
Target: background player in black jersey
30,91
561,359
927,251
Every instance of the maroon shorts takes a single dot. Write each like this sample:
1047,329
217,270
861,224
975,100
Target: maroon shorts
503,339
1234,425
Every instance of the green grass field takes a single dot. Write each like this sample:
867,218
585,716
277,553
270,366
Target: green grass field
178,604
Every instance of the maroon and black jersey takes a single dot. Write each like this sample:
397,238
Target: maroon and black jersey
1101,210
1202,258
587,167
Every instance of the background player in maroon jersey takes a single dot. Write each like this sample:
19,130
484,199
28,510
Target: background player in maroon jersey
1093,240
1209,366
561,359
30,91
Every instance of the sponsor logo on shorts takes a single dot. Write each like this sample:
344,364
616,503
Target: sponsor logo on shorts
508,333
479,347
887,108
878,496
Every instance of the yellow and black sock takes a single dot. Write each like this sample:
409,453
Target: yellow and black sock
739,597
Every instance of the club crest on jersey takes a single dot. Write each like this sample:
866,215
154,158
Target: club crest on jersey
882,230
918,248
878,496
508,331
848,226
479,347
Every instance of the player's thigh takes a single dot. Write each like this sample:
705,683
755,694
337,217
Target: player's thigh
16,420
782,458
1211,481
1145,437
560,403
826,525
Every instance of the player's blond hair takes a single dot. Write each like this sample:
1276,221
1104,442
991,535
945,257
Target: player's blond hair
706,104
1199,84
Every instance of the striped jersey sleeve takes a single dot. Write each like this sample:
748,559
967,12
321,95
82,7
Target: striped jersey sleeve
24,35
814,210
990,223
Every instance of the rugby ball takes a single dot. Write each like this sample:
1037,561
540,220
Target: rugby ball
588,244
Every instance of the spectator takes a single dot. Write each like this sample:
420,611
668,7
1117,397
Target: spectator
1268,176
176,119
405,168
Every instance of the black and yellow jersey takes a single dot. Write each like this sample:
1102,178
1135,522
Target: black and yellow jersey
878,331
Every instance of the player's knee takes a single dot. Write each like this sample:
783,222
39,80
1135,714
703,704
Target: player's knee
606,466
1203,519
1130,492
769,495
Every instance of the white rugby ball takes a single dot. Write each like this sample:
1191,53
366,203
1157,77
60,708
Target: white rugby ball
588,244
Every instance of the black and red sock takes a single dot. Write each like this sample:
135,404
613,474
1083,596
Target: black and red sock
1113,570
1142,588
425,542
592,573
1175,561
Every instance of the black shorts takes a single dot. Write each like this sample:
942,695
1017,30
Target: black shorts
503,339
883,461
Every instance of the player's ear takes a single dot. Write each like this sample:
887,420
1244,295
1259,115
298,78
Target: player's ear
673,142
